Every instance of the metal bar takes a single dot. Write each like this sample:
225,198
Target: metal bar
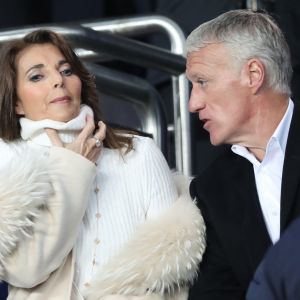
114,46
140,93
252,4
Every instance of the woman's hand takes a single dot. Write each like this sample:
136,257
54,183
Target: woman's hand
85,144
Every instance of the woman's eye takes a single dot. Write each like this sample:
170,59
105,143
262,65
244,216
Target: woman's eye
36,77
67,72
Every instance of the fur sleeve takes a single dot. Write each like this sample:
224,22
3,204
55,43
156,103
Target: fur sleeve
162,256
25,187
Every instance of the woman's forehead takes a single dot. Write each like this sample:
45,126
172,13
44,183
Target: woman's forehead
38,54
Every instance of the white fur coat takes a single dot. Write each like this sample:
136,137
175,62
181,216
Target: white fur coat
157,263
161,260
24,189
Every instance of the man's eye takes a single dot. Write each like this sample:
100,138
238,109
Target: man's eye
202,82
67,72
36,77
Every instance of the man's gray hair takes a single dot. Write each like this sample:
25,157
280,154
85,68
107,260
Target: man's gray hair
248,34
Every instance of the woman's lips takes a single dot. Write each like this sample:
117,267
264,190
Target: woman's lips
63,99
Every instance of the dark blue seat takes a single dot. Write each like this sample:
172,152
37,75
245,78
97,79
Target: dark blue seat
3,291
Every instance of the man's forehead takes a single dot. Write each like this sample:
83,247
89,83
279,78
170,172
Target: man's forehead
206,58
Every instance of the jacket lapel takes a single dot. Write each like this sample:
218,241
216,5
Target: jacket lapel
254,232
291,169
246,223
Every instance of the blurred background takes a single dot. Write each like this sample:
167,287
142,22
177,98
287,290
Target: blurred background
187,14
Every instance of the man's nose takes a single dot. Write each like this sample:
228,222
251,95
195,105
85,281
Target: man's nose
196,101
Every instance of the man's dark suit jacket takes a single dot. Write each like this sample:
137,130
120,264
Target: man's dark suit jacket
278,276
237,238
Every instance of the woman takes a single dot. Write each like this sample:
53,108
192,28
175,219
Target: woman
93,214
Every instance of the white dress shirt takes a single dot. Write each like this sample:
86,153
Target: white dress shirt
268,173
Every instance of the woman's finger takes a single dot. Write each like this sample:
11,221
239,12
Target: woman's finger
54,138
101,132
88,129
99,135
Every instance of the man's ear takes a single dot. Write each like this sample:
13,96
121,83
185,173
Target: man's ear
255,72
19,108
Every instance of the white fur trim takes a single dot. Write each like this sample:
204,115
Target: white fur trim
162,257
25,187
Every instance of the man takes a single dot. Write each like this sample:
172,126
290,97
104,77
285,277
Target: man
278,276
240,70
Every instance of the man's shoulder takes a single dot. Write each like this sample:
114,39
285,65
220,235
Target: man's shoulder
219,167
217,181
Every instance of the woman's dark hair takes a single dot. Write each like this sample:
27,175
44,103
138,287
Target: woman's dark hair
9,120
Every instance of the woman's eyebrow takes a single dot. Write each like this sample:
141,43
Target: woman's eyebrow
37,66
62,62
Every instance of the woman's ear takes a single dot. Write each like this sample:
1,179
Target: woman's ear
19,108
255,71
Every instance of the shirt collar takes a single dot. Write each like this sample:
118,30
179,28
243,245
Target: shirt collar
281,132
279,136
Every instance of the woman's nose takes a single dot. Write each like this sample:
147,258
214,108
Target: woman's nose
56,85
58,80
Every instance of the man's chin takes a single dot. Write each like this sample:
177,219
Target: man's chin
215,142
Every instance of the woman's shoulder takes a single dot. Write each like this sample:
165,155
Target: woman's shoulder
140,144
144,148
9,151
3,144
144,151
144,143
6,150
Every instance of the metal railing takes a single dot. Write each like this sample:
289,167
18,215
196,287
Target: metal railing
252,4
141,26
132,89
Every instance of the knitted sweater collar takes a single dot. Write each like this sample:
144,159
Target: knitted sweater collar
68,131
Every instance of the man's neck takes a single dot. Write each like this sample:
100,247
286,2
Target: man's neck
269,114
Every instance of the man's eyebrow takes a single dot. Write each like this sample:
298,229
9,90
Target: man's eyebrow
189,77
192,77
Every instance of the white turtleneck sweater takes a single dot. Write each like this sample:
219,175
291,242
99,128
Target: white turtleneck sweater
132,188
